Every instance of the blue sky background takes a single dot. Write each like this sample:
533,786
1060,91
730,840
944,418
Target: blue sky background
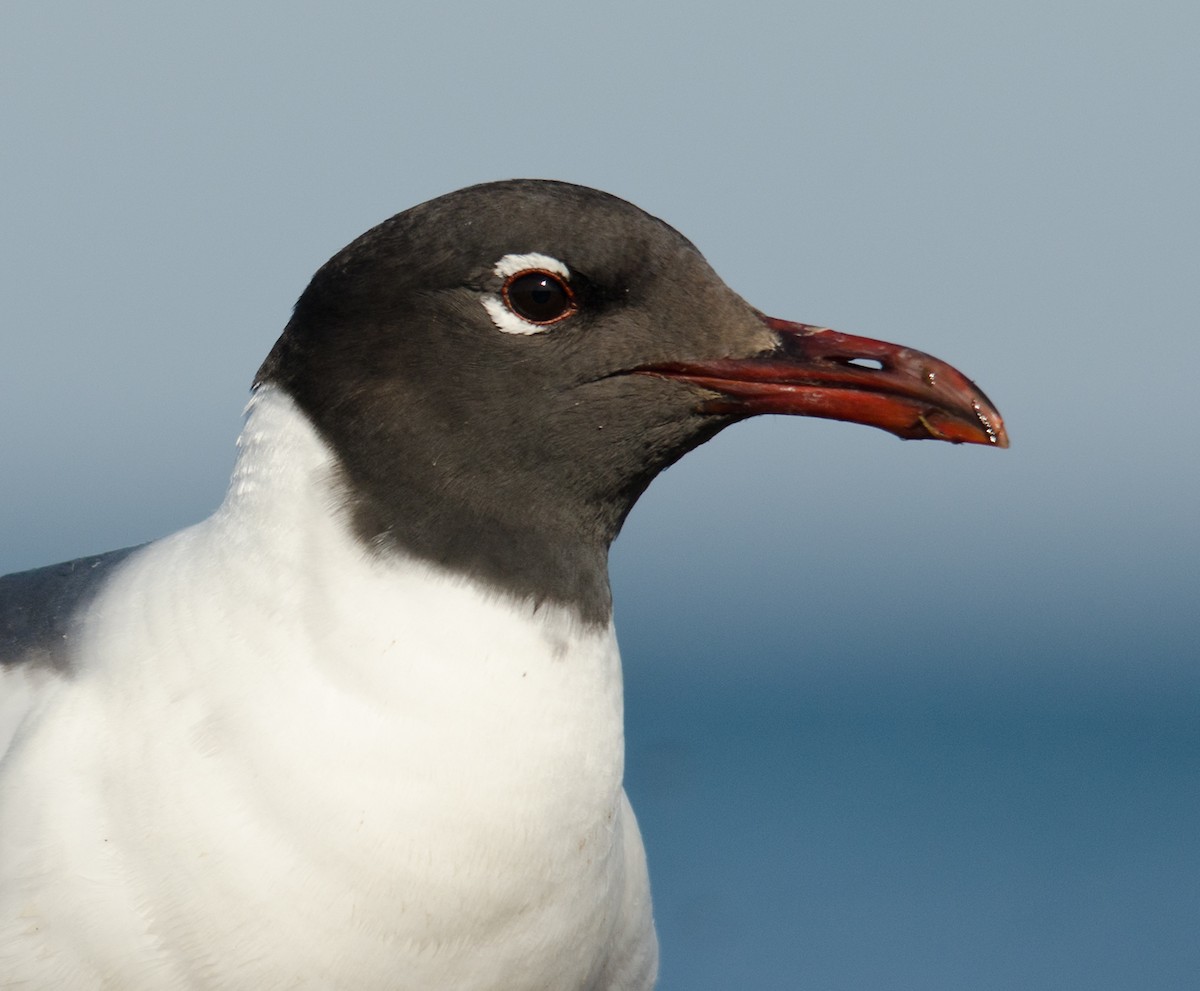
901,715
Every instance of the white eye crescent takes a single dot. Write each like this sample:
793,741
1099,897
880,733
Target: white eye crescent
535,296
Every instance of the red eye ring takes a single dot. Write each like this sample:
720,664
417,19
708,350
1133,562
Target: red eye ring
538,296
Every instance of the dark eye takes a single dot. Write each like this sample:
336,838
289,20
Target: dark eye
539,297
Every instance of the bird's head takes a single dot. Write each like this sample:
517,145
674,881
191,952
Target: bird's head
503,370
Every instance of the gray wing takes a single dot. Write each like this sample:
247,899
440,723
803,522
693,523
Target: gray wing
37,608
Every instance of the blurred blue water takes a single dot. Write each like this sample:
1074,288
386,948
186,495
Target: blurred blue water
921,836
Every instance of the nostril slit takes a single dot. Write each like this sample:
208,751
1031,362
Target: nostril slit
873,363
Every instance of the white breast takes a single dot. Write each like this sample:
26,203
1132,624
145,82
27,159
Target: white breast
286,764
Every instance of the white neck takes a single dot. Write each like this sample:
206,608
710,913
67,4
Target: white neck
403,758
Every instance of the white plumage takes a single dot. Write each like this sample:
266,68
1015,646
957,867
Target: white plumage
316,746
